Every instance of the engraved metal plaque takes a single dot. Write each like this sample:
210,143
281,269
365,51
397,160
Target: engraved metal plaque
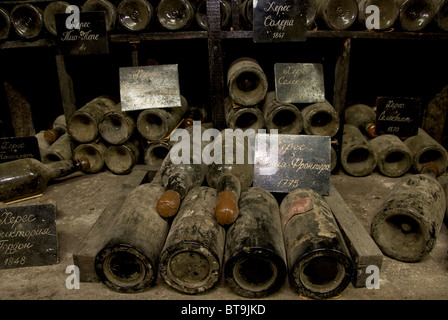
18,148
299,82
400,116
90,38
279,20
149,87
28,236
292,162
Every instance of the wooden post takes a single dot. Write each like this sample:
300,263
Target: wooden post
216,71
341,78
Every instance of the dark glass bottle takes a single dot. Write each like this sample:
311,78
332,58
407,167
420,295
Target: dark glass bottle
247,82
61,149
193,252
415,15
230,178
246,12
109,9
49,15
156,152
121,159
338,14
27,177
135,15
116,127
155,124
255,258
83,125
408,223
240,117
389,11
320,119
179,174
129,261
5,24
175,14
425,149
201,13
441,17
27,20
358,158
394,158
285,117
363,117
319,262
59,128
94,152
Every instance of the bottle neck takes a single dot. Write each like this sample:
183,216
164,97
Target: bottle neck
63,168
430,169
179,182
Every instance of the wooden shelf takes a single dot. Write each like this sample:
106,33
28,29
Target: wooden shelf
240,34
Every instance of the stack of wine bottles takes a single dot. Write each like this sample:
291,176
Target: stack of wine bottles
31,20
363,151
195,224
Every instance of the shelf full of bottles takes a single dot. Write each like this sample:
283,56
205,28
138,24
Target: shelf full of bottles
31,23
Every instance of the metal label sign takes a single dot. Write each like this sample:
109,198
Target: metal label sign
28,236
19,148
279,20
149,87
90,38
292,162
299,82
400,116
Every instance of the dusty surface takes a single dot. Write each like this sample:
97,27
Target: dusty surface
81,200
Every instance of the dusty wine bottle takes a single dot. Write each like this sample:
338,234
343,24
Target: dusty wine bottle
128,263
441,17
59,128
27,177
201,13
240,117
192,256
230,176
247,82
116,127
357,156
156,152
311,13
135,15
121,159
415,15
27,20
5,24
394,158
246,13
320,119
424,150
337,14
285,117
43,145
175,14
409,221
94,153
255,258
180,174
363,117
155,124
319,262
83,125
61,149
109,9
49,15
389,11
